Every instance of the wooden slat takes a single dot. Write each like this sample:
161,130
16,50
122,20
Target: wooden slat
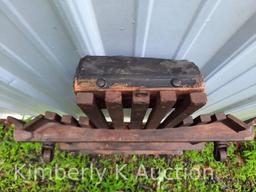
157,146
81,86
235,123
87,102
35,123
129,152
187,121
203,119
19,124
114,105
251,121
164,103
183,108
140,102
220,116
52,116
69,120
84,122
56,132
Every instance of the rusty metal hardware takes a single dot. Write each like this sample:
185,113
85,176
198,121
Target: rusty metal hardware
169,91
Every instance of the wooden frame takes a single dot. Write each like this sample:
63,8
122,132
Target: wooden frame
173,90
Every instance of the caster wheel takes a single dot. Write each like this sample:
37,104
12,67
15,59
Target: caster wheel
220,151
220,155
47,153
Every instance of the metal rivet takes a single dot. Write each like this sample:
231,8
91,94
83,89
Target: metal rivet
176,82
101,82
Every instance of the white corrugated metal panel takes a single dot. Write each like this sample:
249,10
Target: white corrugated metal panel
41,42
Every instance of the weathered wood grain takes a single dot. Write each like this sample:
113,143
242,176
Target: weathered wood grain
114,105
183,108
164,103
217,131
87,102
140,103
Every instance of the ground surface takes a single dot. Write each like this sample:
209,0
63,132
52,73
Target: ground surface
21,169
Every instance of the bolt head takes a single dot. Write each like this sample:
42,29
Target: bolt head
101,82
176,82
